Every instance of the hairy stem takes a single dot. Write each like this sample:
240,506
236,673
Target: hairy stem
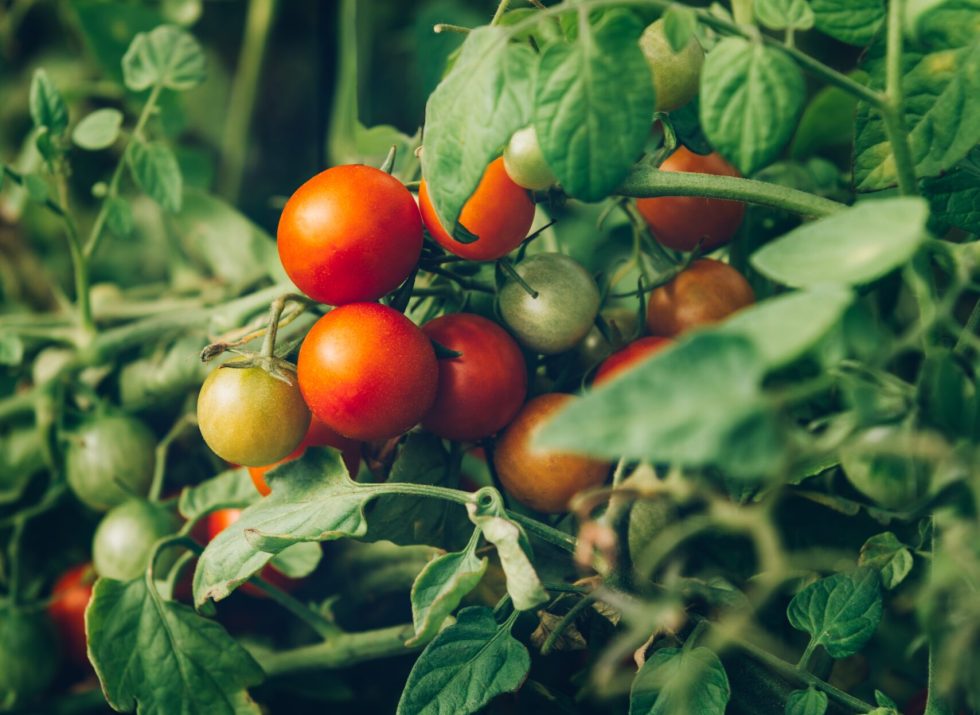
893,111
340,651
79,262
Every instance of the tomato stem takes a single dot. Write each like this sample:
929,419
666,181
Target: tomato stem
340,651
893,109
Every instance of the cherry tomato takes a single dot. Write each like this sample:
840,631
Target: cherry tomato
367,371
125,537
318,435
218,521
562,313
705,293
248,416
351,233
481,390
679,222
525,163
676,75
540,479
636,352
109,460
28,654
70,597
500,212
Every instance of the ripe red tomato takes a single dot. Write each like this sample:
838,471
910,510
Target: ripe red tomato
705,293
541,479
69,599
628,357
679,222
481,390
351,233
367,371
318,435
500,212
218,521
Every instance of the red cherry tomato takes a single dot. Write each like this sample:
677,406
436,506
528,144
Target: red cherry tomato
628,357
351,233
679,222
481,390
70,597
706,292
367,371
318,435
500,212
218,521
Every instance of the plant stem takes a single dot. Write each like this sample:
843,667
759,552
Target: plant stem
808,652
163,448
241,104
565,622
544,532
79,262
340,651
501,9
893,110
647,182
972,322
314,620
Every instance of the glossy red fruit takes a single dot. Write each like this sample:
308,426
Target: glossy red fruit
318,435
706,292
218,521
679,222
69,599
367,371
628,357
481,390
500,212
351,233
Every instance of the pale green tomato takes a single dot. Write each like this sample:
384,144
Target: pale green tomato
524,162
124,539
110,459
676,75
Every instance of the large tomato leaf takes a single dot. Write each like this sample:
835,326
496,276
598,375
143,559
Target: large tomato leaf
675,680
955,197
166,57
852,21
231,489
161,657
840,612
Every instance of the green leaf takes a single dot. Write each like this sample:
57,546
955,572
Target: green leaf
751,98
465,667
806,702
941,87
680,22
946,23
827,123
21,457
840,612
155,170
439,588
775,328
490,81
11,349
674,681
313,499
890,556
229,490
884,701
709,410
119,216
298,560
954,198
523,584
593,104
48,109
161,657
36,187
853,247
166,57
98,130
852,21
783,14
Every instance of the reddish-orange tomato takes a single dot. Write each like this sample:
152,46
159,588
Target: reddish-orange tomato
635,352
500,212
70,597
705,293
541,479
318,435
679,222
351,233
218,521
367,371
481,390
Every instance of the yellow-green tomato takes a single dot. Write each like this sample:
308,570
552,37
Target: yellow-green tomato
249,416
125,537
524,162
676,75
565,307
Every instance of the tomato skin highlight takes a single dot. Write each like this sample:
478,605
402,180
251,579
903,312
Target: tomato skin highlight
500,212
481,390
679,222
218,521
70,596
351,233
634,353
540,479
318,435
367,371
706,292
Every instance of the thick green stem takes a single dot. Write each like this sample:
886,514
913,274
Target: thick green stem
340,651
163,449
647,182
79,262
501,9
545,533
314,620
893,111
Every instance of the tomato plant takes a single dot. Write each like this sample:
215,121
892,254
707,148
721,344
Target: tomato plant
704,293
124,539
622,360
317,435
218,521
69,599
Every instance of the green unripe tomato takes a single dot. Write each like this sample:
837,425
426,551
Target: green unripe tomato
524,162
873,466
250,417
676,75
562,313
109,460
124,539
28,654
